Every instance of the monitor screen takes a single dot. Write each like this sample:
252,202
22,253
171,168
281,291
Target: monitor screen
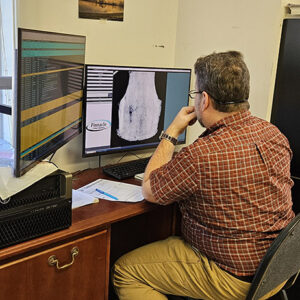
126,108
49,94
286,100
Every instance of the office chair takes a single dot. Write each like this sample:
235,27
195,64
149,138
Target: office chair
280,263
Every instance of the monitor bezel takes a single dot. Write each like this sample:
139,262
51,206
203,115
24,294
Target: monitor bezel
18,171
122,149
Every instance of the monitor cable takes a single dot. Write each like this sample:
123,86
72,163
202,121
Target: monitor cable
128,153
50,159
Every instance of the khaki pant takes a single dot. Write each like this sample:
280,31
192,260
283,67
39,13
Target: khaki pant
172,267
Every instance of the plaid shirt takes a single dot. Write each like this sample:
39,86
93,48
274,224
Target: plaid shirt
233,186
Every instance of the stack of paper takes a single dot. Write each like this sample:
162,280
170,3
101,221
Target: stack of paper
10,185
113,190
80,199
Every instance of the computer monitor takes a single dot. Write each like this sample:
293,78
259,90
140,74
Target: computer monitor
50,69
126,108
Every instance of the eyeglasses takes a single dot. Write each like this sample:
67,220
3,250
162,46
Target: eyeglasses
192,93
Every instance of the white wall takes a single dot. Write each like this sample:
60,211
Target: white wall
250,26
186,28
131,42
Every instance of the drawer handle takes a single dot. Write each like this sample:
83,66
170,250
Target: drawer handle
53,261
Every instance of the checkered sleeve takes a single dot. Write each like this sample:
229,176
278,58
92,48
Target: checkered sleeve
175,180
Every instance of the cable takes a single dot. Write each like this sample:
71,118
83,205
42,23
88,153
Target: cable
129,153
136,155
51,162
51,156
122,157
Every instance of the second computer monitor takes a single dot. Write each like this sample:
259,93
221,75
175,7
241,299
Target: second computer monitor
126,108
48,110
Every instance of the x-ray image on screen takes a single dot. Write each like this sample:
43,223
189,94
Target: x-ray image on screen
140,108
138,101
126,108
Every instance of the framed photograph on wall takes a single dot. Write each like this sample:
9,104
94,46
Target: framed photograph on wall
101,9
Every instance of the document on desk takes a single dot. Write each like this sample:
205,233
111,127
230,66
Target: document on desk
81,199
113,190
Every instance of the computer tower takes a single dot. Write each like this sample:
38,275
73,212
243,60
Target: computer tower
42,208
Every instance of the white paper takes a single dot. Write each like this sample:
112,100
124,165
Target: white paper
125,192
80,199
139,176
10,185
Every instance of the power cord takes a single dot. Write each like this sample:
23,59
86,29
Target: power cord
52,161
127,153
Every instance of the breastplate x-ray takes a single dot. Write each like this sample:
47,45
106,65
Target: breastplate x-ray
140,108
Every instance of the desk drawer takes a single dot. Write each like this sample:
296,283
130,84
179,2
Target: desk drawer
79,270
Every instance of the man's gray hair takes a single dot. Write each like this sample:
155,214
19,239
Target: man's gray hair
225,77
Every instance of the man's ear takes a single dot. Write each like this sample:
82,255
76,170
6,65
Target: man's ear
205,100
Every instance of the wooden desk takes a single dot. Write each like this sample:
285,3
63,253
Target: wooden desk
102,232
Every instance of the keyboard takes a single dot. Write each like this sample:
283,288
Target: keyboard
127,169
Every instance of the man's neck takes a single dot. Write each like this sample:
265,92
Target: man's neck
216,116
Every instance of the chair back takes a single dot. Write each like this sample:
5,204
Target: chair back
280,263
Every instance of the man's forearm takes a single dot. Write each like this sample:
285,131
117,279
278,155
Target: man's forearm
165,149
161,156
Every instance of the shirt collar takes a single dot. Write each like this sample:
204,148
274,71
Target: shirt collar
233,120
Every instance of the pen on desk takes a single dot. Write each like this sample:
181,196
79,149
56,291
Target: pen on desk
106,194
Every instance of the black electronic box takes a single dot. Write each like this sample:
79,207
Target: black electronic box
42,208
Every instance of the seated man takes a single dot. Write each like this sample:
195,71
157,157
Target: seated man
233,188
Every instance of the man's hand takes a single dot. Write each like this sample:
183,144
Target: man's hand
184,118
